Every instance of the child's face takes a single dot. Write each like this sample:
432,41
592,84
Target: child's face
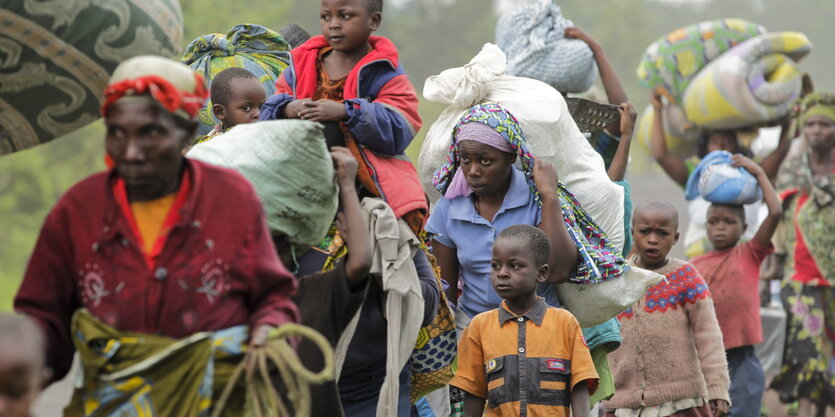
721,142
244,105
724,226
346,24
654,234
485,168
515,273
19,382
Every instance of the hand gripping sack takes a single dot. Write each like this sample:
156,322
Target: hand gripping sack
552,135
435,359
532,38
252,47
288,164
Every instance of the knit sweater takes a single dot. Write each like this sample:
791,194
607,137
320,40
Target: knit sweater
672,346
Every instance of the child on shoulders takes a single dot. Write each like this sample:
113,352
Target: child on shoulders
347,75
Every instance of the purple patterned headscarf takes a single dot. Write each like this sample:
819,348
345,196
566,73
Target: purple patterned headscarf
476,132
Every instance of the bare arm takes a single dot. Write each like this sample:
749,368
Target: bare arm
611,83
771,163
580,400
628,115
564,256
673,166
448,261
473,406
775,209
351,222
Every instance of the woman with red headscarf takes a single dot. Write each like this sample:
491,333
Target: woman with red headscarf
159,244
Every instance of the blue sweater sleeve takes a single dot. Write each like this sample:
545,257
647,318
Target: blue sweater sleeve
273,108
380,127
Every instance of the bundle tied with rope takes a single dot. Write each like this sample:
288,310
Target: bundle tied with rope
262,396
130,373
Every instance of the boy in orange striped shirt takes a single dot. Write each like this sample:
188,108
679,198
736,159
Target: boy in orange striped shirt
525,357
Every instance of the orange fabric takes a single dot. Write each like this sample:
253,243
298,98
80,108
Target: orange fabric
150,216
485,342
150,221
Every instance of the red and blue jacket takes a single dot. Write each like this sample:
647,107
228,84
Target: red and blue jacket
382,108
380,101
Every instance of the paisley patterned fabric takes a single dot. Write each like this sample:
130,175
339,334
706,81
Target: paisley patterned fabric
56,57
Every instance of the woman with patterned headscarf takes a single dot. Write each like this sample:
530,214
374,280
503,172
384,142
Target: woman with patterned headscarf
806,244
484,193
156,249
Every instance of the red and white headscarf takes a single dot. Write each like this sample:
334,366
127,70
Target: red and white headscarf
171,84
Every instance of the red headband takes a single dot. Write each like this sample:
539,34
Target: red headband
161,90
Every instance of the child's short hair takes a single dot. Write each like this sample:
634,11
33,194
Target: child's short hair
660,205
23,332
374,6
738,208
221,89
535,240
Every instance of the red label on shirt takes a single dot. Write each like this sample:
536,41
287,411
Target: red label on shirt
555,364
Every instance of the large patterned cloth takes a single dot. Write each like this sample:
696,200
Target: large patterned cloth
600,261
252,47
806,371
754,82
671,62
134,374
57,57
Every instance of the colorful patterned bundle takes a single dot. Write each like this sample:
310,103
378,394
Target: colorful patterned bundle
756,81
252,47
435,359
671,62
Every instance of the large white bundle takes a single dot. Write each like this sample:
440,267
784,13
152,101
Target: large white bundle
593,304
549,129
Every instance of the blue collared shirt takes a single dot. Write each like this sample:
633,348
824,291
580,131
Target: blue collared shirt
456,224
